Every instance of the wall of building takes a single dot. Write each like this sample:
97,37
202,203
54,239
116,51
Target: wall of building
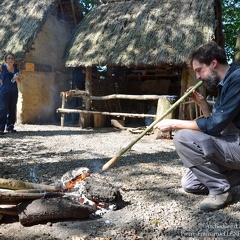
44,74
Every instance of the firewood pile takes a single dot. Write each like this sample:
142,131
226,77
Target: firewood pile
79,195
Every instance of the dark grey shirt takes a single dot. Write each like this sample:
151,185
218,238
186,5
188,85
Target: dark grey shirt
227,107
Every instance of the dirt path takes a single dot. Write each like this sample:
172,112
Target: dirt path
149,176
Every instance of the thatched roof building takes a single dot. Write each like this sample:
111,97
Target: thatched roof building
145,45
21,21
37,32
143,33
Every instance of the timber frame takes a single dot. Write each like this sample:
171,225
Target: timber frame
92,111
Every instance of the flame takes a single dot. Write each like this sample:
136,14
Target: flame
71,184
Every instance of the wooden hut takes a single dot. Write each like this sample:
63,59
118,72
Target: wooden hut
145,46
37,32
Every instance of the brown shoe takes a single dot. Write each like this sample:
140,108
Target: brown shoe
214,202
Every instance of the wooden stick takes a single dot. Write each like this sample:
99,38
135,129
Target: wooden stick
121,152
17,184
13,197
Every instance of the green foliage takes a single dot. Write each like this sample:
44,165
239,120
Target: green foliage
87,5
231,25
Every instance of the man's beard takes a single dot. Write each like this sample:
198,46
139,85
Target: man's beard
211,81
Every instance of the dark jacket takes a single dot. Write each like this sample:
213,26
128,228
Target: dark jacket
227,107
6,76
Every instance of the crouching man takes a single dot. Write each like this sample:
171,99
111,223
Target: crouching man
210,146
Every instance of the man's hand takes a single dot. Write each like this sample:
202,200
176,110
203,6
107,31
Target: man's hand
201,101
197,97
165,125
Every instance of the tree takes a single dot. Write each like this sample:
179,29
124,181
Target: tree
237,49
231,23
87,5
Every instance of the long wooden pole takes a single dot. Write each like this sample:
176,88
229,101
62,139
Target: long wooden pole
121,152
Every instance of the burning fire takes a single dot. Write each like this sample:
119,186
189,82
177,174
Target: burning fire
72,183
71,178
80,185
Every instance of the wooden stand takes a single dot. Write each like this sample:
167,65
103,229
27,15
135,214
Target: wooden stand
85,120
99,120
163,105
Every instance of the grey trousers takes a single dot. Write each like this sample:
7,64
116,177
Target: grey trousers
213,161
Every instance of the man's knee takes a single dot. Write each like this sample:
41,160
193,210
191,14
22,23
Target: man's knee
191,184
181,137
185,135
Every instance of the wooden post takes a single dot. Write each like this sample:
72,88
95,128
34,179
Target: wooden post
184,84
85,120
63,106
163,105
99,120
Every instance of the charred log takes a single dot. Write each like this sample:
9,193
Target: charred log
98,190
42,210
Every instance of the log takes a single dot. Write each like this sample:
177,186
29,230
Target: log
12,210
43,210
18,184
13,197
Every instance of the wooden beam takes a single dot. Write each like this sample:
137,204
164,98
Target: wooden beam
73,10
131,97
137,115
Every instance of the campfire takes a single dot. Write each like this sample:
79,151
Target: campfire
79,195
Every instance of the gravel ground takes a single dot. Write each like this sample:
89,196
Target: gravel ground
149,176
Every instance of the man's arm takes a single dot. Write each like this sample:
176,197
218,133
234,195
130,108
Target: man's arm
167,125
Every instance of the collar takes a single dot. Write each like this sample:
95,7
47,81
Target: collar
232,68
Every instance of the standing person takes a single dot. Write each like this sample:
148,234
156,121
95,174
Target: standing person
210,146
8,94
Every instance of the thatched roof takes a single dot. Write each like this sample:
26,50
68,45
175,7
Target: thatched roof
137,32
20,22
